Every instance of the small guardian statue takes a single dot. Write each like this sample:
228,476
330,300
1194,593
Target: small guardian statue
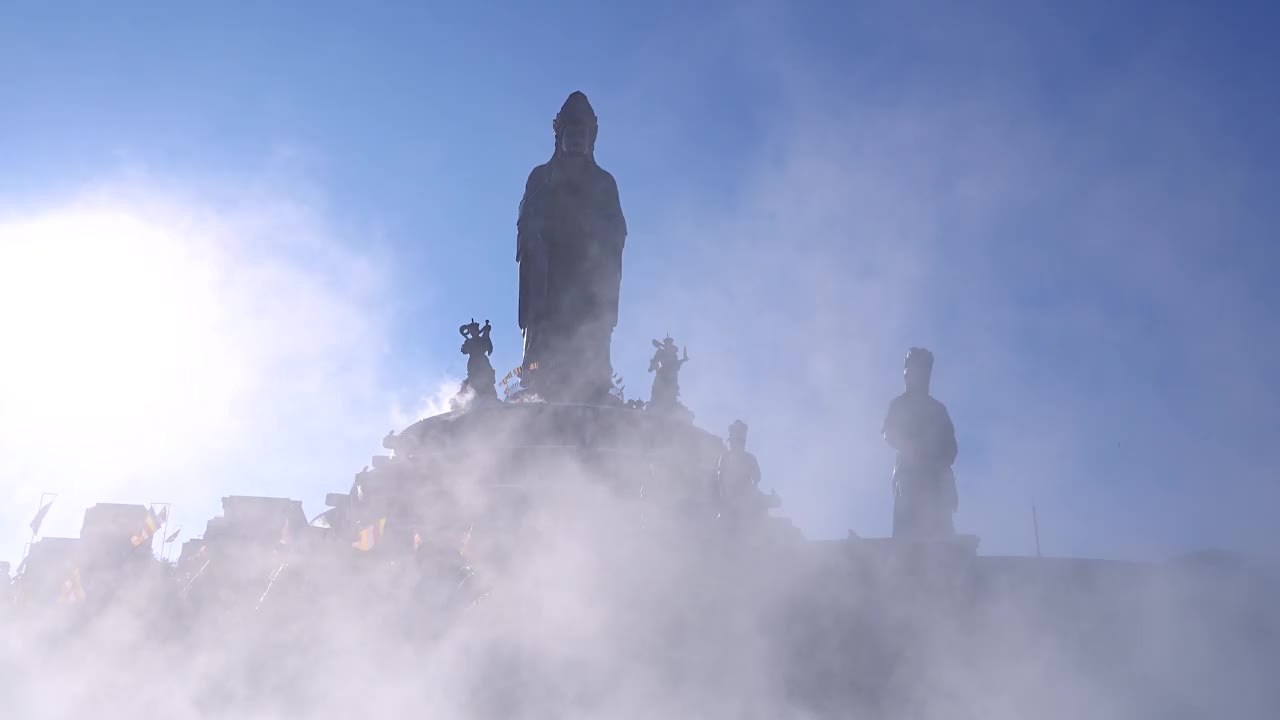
477,346
920,429
665,365
736,485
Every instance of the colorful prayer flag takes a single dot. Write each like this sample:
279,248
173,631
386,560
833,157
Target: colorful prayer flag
174,536
149,526
39,518
370,535
72,590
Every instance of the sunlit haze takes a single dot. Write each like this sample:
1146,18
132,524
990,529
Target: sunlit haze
123,332
1077,227
237,244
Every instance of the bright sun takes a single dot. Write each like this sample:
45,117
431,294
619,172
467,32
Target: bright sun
113,334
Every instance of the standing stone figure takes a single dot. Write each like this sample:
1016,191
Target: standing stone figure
665,365
477,346
737,479
920,429
569,240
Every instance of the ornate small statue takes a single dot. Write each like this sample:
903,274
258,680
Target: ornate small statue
665,365
477,346
569,240
736,486
920,429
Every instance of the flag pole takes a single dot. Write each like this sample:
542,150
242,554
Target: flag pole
164,529
22,564
44,495
1035,525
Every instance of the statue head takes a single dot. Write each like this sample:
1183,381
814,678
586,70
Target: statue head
738,435
576,127
917,370
471,329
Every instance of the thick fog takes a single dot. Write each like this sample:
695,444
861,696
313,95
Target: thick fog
1090,279
593,599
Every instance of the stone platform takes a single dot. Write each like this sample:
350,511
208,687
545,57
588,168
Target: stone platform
504,443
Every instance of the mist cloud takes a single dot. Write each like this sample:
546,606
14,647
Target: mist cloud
171,347
1082,276
1099,355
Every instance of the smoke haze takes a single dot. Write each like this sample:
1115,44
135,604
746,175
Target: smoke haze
1075,216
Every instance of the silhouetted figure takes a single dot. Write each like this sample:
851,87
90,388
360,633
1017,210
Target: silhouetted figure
478,347
569,241
737,479
665,364
920,429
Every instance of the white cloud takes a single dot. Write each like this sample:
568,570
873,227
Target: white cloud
425,405
165,347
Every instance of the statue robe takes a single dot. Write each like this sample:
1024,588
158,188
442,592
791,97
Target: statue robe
924,487
569,241
736,488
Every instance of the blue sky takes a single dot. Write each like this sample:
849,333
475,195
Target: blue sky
1074,208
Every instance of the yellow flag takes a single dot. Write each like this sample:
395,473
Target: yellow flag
370,535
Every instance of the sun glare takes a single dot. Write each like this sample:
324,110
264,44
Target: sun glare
113,332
